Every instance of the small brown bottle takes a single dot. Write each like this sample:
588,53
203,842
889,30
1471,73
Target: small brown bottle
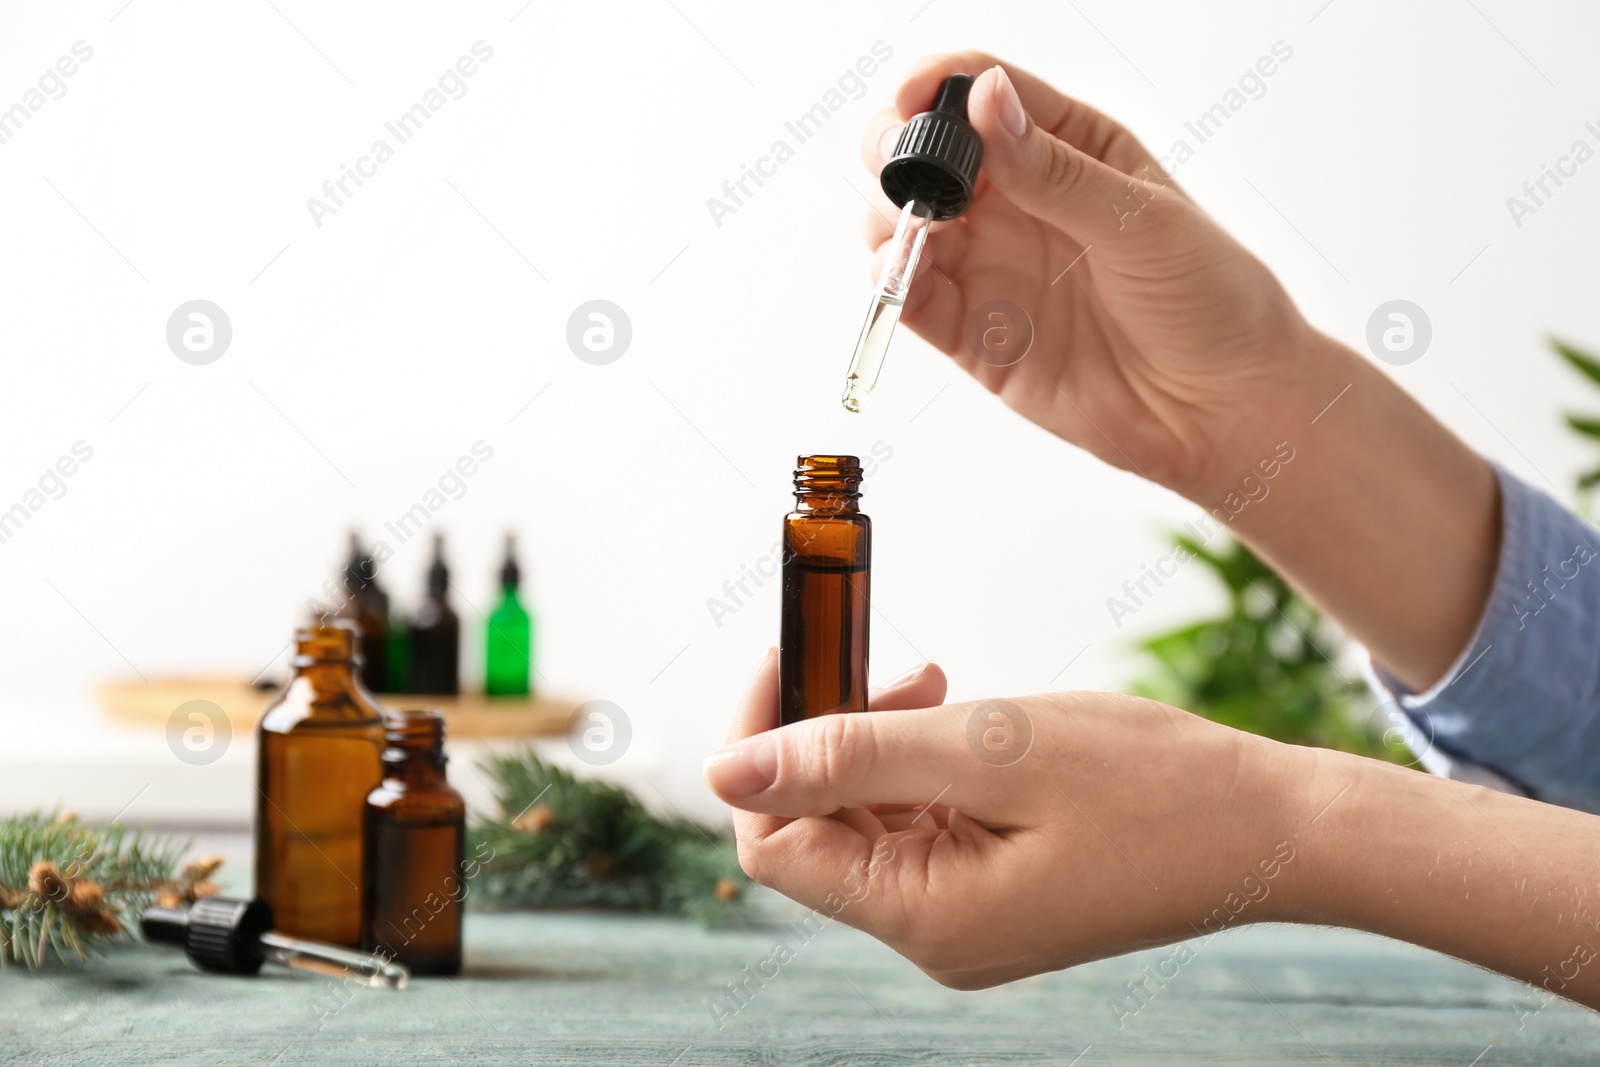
416,840
827,553
367,605
319,750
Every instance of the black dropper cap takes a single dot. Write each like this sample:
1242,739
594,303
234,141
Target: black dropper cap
359,571
218,933
936,159
510,573
438,573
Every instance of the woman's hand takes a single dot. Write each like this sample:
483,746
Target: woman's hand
1158,339
995,840
1169,350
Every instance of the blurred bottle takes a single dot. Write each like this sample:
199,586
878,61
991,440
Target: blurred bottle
319,749
399,654
367,605
436,634
416,888
509,636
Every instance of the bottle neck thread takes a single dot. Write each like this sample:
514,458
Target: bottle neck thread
332,644
828,484
415,744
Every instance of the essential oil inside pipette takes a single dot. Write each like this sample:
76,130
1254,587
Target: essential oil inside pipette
867,363
894,282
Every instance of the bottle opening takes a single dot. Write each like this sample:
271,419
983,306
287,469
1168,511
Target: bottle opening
414,729
827,482
821,469
334,641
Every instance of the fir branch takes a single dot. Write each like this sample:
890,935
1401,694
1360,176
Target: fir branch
564,842
67,889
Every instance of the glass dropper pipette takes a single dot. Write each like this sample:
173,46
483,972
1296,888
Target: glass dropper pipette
894,282
931,174
370,969
231,936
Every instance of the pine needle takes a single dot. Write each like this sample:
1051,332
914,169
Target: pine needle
560,841
43,854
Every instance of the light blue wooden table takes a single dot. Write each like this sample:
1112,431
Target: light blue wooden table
566,989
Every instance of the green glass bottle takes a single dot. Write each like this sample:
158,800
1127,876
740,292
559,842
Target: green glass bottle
399,654
509,636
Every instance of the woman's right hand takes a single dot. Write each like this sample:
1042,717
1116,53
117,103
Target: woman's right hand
1159,343
1163,347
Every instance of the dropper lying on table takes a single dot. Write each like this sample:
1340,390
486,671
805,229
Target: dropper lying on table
236,937
931,176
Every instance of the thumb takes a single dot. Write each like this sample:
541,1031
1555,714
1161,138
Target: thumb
1058,182
832,762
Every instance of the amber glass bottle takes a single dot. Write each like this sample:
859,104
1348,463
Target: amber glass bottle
367,605
319,747
416,842
827,552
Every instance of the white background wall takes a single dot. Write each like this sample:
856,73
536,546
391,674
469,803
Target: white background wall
405,328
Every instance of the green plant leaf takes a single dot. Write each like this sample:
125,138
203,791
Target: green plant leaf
1588,365
1266,666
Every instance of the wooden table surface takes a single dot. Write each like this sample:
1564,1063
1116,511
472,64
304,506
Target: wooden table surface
612,990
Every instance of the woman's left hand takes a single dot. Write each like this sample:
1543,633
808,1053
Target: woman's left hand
998,839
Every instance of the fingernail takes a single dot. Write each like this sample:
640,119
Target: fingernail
744,769
1012,117
902,679
887,141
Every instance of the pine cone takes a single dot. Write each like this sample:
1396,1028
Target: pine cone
600,865
101,923
45,880
198,870
536,820
85,896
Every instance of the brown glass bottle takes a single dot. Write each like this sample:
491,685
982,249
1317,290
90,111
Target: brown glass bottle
827,553
319,747
416,840
367,605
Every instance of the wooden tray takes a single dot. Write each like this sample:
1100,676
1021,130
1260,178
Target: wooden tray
468,715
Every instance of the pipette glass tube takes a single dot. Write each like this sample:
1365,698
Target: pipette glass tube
363,968
894,282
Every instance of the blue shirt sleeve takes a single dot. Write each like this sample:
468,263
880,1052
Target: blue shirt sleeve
1520,708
